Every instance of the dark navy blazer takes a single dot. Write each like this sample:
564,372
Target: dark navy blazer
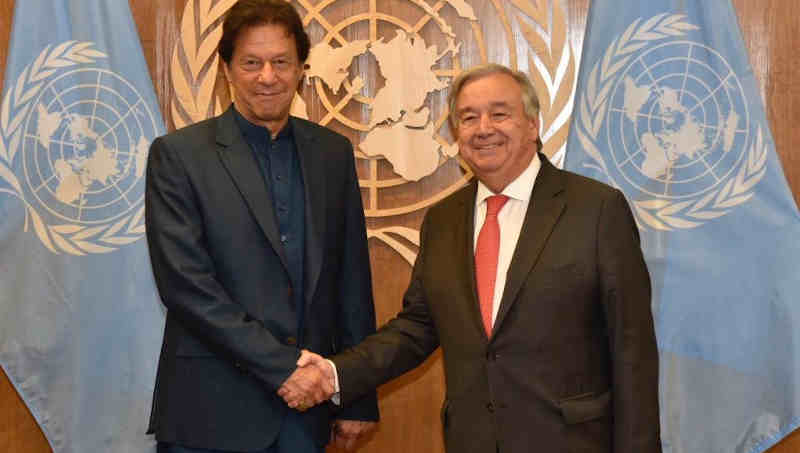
231,334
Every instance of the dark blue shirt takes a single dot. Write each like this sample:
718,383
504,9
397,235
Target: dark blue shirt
280,167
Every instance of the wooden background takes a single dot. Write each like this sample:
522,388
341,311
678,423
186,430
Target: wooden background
410,405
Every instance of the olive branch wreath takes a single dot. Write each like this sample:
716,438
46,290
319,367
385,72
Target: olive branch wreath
16,106
552,102
657,213
195,63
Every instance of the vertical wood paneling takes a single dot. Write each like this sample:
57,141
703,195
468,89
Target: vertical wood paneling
770,31
410,404
19,432
6,16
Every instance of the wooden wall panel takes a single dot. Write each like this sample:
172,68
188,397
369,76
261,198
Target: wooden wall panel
770,33
410,405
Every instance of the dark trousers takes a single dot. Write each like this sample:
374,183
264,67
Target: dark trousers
294,437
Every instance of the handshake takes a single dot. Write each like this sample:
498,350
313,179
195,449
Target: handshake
314,382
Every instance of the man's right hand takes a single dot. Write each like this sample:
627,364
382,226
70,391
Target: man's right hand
310,384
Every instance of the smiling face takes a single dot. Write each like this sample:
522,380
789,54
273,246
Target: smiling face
264,72
495,137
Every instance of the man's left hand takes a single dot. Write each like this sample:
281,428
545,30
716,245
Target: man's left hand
347,432
310,384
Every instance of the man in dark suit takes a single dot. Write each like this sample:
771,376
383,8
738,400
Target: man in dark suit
532,281
257,239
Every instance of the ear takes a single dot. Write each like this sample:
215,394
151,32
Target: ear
300,84
227,71
533,127
302,78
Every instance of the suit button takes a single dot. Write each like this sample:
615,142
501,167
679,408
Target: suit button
490,407
291,341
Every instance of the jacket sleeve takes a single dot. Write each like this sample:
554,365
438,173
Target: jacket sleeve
626,293
400,345
186,277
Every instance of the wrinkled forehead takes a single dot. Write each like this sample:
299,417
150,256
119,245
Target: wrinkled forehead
496,90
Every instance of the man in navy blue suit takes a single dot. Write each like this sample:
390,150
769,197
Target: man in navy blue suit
257,239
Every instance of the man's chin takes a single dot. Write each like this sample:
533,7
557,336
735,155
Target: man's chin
271,116
484,167
487,159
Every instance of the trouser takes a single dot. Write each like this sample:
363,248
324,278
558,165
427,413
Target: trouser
294,437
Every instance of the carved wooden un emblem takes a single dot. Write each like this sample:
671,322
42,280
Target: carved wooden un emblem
379,73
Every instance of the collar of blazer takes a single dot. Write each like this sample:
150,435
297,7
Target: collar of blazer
237,158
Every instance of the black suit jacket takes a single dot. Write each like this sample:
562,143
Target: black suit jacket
572,363
230,338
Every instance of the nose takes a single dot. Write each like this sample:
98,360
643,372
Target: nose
267,73
485,125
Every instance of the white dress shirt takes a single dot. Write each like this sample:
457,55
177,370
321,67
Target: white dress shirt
510,218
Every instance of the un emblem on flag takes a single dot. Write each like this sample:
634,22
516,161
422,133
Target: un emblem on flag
78,137
675,121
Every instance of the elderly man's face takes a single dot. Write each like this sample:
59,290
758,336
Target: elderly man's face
495,137
265,72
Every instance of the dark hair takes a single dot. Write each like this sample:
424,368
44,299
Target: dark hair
248,13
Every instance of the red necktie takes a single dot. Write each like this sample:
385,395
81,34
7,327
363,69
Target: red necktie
486,251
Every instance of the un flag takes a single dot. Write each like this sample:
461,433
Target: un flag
667,110
80,321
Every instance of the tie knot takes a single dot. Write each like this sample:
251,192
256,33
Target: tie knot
495,203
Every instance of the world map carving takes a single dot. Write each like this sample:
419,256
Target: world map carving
378,72
400,126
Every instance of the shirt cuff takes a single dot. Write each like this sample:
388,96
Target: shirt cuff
336,398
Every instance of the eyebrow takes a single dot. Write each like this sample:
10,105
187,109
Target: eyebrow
499,104
258,57
492,105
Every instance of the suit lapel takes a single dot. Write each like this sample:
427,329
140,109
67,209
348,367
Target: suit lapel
466,240
238,160
545,208
314,184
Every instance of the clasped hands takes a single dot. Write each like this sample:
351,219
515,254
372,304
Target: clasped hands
312,383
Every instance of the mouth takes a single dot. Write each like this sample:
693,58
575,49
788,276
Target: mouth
486,146
269,95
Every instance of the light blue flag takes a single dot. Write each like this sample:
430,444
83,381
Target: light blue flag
80,320
667,110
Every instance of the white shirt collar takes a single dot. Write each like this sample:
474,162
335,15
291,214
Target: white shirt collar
518,189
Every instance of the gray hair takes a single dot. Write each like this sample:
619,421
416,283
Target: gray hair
530,101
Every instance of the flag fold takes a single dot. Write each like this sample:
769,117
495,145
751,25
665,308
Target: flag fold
667,110
80,320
